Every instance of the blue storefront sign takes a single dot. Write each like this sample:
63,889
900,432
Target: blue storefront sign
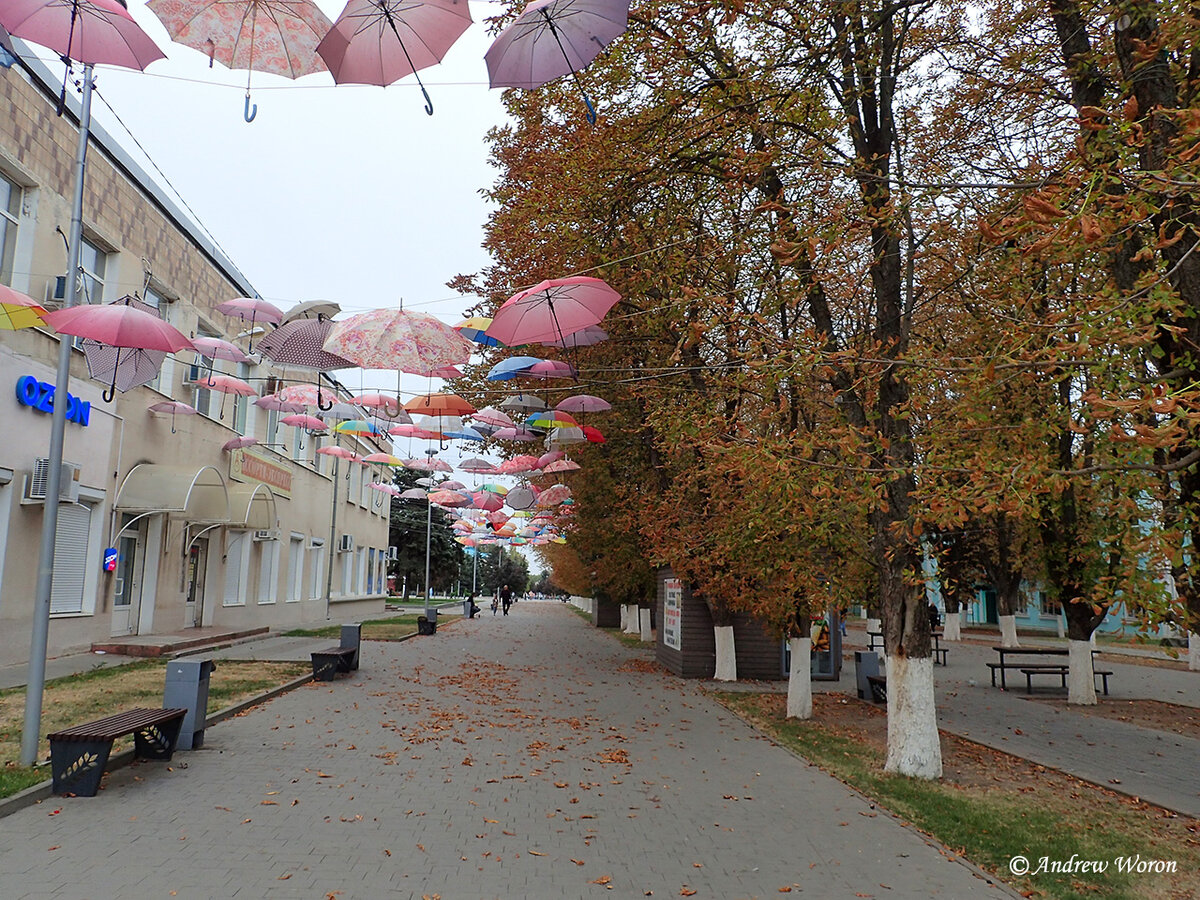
40,396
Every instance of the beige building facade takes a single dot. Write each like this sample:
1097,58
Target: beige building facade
160,529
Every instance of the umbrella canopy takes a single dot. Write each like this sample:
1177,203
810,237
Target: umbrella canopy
486,501
523,403
439,405
386,488
87,31
272,403
308,423
217,348
398,339
565,434
275,36
562,465
449,498
550,456
299,343
311,309
381,41
553,496
508,369
414,494
478,466
339,452
583,403
475,329
123,368
553,309
491,416
386,405
312,395
552,38
515,434
453,486
238,443
593,435
360,427
171,408
119,324
552,368
521,498
227,384
19,311
551,419
584,337
465,433
386,458
428,465
498,489
253,309
518,464
409,430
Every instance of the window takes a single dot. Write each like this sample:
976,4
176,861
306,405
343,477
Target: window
295,567
92,263
1050,607
202,399
155,299
297,444
273,426
10,209
316,584
268,567
371,570
236,561
70,558
241,404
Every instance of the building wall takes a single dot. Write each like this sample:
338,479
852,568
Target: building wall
147,240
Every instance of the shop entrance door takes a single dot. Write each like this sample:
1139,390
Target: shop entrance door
127,596
197,566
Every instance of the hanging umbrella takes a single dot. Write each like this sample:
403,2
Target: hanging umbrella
554,495
124,330
552,38
593,435
381,41
477,466
518,464
238,443
465,433
562,465
498,489
449,498
307,423
550,456
491,416
384,405
553,309
339,452
272,403
439,405
359,427
19,311
410,430
585,337
275,36
551,419
172,408
508,369
565,434
414,494
551,368
299,343
227,384
475,329
311,309
515,434
386,488
216,348
453,486
523,403
398,339
583,403
386,458
521,498
486,501
428,465
252,308
312,395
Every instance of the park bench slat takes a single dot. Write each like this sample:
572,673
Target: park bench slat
119,725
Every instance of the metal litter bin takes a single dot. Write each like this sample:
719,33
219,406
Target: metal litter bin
426,625
187,688
866,663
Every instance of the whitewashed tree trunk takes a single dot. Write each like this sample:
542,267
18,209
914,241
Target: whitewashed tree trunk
1194,651
799,696
624,617
644,621
726,659
952,630
1081,679
913,745
874,624
631,619
1008,632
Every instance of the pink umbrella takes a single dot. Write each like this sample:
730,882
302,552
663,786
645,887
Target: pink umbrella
478,467
385,458
563,465
518,464
398,339
449,498
172,408
274,404
386,404
252,308
552,38
520,433
306,395
552,310
381,41
428,465
413,431
551,368
413,494
227,384
546,458
583,403
277,36
585,337
238,443
308,423
554,495
339,452
88,31
386,488
216,348
453,486
486,500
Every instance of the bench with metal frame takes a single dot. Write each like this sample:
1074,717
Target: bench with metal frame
343,658
79,755
1061,672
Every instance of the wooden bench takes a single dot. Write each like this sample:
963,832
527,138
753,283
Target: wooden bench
1061,672
878,685
79,755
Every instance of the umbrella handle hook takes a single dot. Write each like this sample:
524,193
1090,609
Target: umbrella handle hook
110,392
591,110
428,102
249,112
324,407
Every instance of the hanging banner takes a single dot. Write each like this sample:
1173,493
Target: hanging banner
673,614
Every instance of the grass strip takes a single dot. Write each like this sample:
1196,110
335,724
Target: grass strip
389,629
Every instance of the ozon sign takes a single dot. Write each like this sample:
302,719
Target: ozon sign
40,396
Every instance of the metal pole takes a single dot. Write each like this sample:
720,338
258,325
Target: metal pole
475,571
428,530
332,537
39,639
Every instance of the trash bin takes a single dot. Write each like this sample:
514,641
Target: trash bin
866,662
426,626
352,637
187,688
467,609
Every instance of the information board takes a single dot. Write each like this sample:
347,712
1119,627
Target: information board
673,614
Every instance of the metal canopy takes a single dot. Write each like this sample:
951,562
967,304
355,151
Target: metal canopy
252,506
195,493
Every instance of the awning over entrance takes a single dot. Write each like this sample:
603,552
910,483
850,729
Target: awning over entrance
251,506
197,493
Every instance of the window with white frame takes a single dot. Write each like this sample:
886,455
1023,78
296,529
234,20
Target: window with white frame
153,298
241,404
295,581
268,571
371,570
11,194
92,264
199,373
237,562
316,583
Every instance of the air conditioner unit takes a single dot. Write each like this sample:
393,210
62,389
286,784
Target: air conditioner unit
266,534
35,482
346,543
393,552
56,290
315,543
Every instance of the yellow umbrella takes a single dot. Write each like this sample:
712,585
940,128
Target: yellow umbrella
18,310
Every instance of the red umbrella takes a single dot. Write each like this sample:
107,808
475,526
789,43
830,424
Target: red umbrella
593,434
552,310
381,41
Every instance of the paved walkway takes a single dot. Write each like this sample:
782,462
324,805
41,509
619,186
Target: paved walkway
521,757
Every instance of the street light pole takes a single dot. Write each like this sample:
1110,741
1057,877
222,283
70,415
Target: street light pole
40,634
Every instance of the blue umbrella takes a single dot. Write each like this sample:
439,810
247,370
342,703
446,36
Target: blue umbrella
508,369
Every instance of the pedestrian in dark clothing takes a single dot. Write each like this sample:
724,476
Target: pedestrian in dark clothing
473,606
506,598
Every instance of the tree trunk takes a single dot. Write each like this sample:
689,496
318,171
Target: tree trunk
799,697
913,747
647,633
1081,679
1008,632
1194,651
952,629
624,618
726,660
631,619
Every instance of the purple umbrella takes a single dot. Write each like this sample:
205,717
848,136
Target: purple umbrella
381,41
552,38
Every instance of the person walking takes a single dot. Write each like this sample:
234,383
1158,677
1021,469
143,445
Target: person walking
506,598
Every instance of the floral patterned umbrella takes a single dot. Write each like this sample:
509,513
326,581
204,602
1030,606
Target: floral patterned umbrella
276,36
398,339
